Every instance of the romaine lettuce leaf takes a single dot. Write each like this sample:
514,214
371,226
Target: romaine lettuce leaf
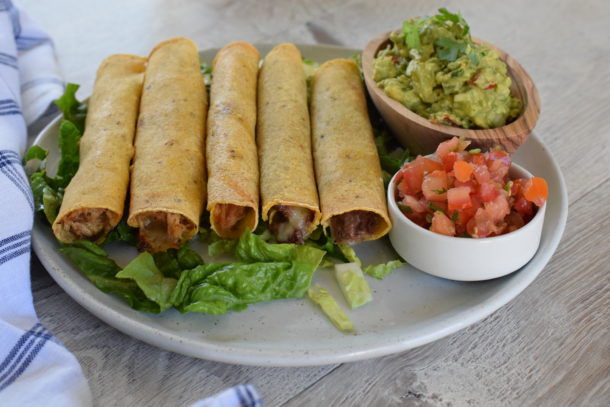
72,109
252,248
266,271
48,191
150,279
173,261
101,270
122,233
322,241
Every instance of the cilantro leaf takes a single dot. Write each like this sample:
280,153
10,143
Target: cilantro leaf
448,49
445,15
411,30
405,208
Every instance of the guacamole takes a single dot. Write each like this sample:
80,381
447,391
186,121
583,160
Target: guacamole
433,67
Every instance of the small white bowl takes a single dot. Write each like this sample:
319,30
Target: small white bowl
462,258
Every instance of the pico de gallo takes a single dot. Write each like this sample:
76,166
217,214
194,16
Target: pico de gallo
467,193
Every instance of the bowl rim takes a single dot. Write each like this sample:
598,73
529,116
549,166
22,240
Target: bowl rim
393,207
530,99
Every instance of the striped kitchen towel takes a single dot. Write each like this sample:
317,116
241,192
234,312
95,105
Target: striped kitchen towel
242,395
35,369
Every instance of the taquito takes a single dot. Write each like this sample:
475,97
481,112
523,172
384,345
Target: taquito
347,166
168,176
93,201
288,186
231,155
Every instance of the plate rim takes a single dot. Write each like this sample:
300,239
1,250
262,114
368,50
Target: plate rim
245,356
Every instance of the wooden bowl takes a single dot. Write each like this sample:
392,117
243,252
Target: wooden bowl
422,136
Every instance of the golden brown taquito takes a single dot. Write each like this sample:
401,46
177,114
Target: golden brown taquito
347,165
93,201
168,176
231,155
288,185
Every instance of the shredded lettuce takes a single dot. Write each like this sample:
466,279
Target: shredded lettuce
379,271
349,253
330,308
353,284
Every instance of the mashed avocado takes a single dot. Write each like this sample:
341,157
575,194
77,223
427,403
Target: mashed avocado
433,68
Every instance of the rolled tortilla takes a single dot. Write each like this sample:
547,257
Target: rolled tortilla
288,186
168,176
93,201
231,155
347,165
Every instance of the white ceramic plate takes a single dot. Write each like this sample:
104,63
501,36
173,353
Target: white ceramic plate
409,309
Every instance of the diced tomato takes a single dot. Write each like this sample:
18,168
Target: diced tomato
516,187
498,208
523,206
412,202
467,213
451,145
435,185
436,206
515,221
427,164
471,184
446,147
458,199
410,180
452,157
536,190
488,191
442,224
478,159
449,160
462,170
480,225
498,171
467,193
481,174
499,154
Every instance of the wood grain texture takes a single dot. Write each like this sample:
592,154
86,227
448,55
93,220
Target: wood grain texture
548,347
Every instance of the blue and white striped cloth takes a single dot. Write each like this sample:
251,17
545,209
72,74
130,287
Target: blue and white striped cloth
35,369
243,395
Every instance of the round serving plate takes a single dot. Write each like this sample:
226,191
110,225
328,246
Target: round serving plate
409,308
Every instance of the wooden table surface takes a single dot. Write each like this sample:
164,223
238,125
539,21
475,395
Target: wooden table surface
549,346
